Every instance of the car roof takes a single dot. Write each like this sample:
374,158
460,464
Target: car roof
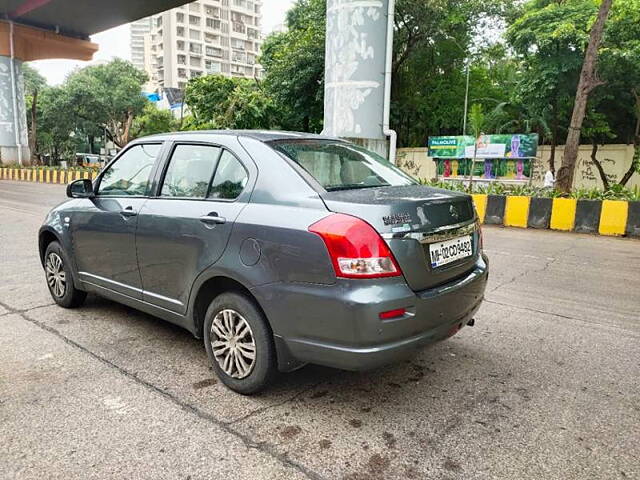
261,135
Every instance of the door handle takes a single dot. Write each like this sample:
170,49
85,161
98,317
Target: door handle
213,219
128,212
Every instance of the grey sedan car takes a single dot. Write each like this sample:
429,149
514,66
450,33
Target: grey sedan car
278,249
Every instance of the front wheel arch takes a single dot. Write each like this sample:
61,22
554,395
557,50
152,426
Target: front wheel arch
45,238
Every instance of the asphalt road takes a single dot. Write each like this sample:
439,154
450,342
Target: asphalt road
545,386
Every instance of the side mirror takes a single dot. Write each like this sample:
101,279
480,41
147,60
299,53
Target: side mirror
82,188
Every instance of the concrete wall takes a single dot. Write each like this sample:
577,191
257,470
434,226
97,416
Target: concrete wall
615,160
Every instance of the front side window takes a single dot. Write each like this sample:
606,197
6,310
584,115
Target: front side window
230,178
342,166
190,171
129,174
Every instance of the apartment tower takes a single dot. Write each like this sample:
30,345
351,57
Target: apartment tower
202,38
139,30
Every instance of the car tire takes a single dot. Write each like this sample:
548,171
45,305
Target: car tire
235,329
57,272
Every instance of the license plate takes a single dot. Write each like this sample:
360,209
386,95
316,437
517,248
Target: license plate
450,251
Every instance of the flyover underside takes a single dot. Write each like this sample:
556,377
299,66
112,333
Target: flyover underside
31,43
81,19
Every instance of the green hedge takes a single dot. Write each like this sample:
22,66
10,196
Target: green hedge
617,192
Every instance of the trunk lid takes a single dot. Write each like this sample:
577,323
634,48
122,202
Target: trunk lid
411,218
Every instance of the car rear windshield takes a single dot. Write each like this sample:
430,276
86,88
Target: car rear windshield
342,166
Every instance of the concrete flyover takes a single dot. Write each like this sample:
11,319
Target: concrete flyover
43,29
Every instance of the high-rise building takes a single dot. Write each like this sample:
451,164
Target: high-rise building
201,38
139,29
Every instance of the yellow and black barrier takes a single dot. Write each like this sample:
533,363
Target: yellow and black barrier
46,175
605,217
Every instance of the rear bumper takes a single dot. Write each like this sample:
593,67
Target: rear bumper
339,326
366,358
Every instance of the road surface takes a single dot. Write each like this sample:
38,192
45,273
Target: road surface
545,386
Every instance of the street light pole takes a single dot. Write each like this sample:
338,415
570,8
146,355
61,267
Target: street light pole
466,103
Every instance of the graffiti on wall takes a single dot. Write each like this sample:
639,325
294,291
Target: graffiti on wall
587,171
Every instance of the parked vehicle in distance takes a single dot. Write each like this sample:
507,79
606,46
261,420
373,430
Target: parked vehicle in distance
278,249
88,160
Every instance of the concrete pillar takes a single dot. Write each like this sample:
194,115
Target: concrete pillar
354,71
25,43
14,141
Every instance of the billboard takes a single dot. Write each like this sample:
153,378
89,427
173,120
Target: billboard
487,169
488,146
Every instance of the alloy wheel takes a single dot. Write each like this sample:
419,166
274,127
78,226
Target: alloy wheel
233,344
56,276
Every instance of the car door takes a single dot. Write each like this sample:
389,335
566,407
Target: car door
185,227
103,228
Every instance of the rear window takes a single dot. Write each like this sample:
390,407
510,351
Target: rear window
342,166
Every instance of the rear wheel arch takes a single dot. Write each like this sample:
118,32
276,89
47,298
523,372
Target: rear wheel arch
209,290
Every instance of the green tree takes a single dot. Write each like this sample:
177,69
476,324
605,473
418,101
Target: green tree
587,83
235,103
58,129
206,97
294,67
107,96
90,102
33,85
617,102
152,121
434,41
549,38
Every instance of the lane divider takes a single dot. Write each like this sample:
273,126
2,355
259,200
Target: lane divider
613,218
563,214
480,202
587,216
604,217
540,213
517,212
496,205
45,175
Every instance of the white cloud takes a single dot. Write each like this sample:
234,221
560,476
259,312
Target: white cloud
273,13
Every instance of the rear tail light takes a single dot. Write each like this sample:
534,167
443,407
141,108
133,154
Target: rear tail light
356,249
480,239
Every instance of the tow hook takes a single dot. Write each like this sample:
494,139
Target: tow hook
471,322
